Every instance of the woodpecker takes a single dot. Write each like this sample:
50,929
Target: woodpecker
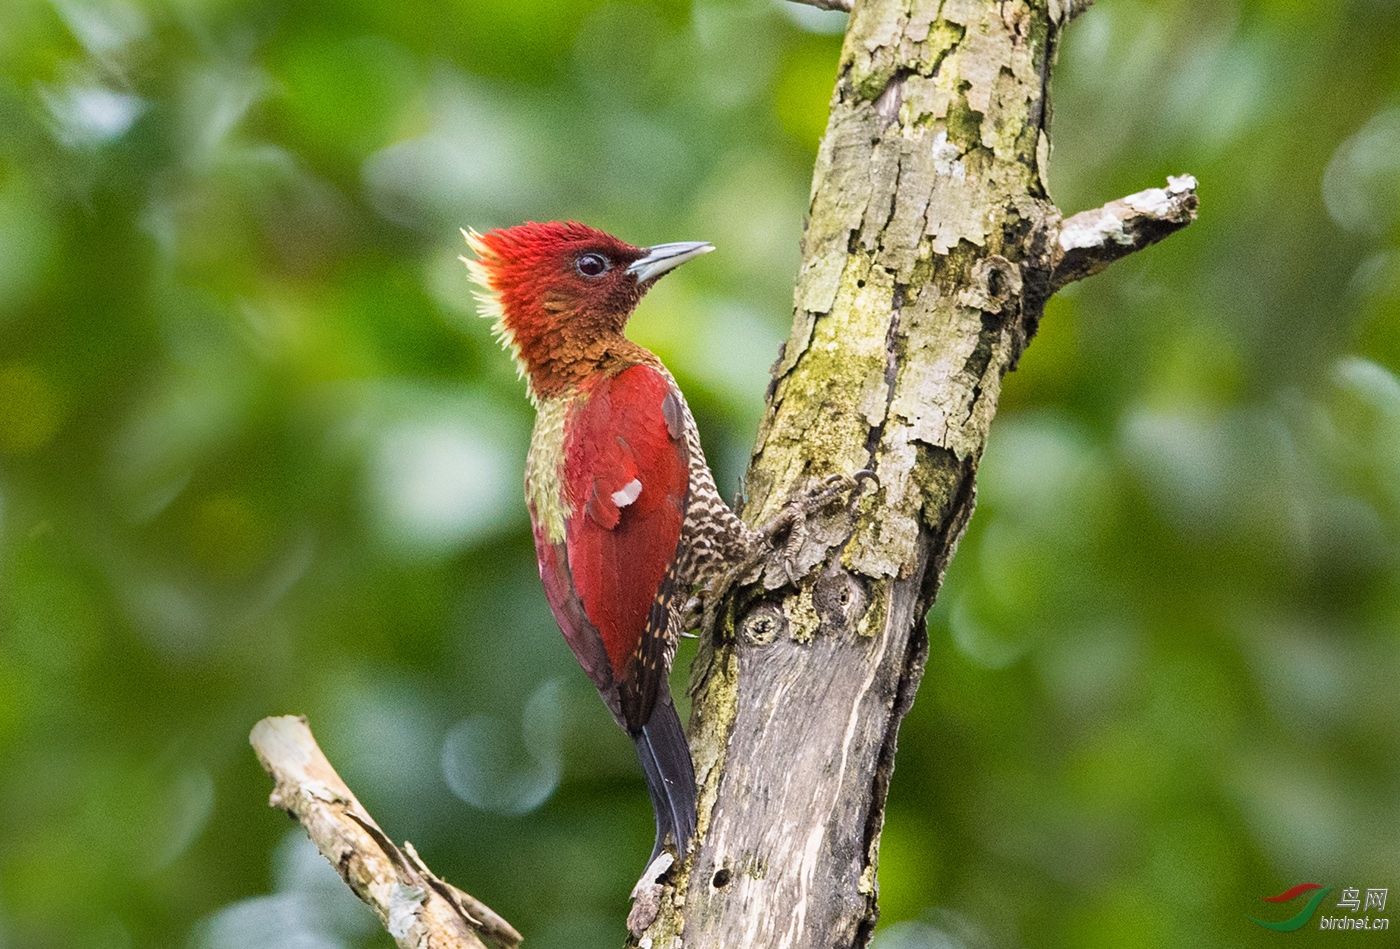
626,516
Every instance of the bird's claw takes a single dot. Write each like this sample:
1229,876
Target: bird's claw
836,485
793,518
792,522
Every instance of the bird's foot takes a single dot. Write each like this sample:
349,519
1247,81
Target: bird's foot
790,524
784,536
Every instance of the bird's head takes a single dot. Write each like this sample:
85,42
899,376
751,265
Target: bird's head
560,293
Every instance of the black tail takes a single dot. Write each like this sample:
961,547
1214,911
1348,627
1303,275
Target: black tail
665,757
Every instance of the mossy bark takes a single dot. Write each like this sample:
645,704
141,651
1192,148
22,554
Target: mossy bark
922,279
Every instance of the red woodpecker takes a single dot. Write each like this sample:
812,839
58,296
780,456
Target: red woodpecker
626,516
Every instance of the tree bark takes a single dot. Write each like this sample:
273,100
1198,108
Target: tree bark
930,250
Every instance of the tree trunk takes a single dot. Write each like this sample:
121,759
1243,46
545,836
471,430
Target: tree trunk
929,253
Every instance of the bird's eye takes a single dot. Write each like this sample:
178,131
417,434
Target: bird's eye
593,265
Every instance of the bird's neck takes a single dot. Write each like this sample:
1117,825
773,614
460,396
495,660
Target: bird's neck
561,367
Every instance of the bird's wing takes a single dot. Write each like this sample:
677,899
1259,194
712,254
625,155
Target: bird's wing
579,632
626,481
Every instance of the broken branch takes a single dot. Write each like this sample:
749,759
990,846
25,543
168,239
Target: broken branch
1091,240
418,908
842,5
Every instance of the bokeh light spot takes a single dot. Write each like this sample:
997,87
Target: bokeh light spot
89,115
439,483
1362,182
496,766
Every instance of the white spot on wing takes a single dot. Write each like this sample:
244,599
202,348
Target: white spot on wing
628,493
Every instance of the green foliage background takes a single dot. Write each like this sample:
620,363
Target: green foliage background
258,456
